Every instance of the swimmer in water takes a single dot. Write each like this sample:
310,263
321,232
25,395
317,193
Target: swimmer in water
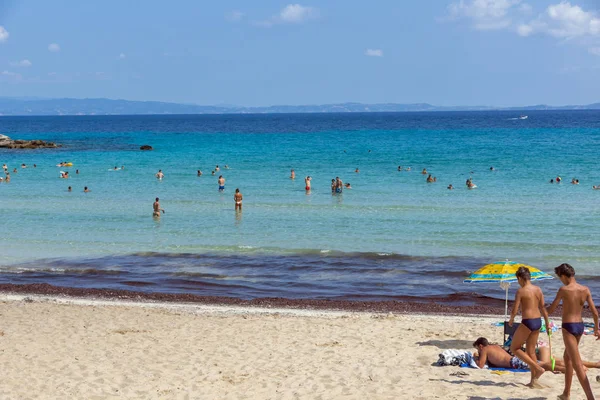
226,166
558,179
597,187
348,186
221,183
552,180
307,183
159,175
333,186
156,209
199,173
76,172
429,179
34,166
292,174
237,197
213,173
64,175
450,187
70,189
399,167
7,178
339,185
86,190
23,166
424,172
216,168
4,167
491,168
356,170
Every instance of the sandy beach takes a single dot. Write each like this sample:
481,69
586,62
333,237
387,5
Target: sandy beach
57,348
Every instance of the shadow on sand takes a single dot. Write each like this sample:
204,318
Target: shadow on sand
509,398
448,344
478,383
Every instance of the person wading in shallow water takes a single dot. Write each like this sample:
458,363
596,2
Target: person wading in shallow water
157,209
237,197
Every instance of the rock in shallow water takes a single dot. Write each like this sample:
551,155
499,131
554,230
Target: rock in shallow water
8,143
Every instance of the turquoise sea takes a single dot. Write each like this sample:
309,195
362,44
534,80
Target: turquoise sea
392,235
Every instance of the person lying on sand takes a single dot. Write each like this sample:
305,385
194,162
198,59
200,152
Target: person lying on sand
497,357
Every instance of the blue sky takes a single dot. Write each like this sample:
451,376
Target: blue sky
253,53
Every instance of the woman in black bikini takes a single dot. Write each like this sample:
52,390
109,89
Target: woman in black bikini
531,300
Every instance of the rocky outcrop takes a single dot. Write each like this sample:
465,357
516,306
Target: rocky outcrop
8,143
145,147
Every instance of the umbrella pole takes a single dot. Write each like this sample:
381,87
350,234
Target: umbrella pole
506,304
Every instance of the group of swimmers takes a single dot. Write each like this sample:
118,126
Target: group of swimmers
530,299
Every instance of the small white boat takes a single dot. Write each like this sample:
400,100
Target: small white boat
523,117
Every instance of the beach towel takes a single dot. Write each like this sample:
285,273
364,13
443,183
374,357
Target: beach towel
455,357
464,359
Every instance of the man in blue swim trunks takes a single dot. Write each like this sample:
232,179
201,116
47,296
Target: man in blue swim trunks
496,356
221,183
573,297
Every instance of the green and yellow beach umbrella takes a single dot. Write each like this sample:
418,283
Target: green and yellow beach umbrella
504,272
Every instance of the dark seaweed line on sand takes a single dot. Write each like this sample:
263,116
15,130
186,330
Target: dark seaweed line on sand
434,306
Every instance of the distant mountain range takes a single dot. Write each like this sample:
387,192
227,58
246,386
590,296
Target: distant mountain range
40,106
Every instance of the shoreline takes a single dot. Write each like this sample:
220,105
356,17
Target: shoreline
428,306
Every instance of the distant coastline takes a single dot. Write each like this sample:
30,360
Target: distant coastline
68,106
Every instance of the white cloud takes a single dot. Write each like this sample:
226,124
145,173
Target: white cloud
234,16
22,63
290,14
484,14
3,34
11,75
524,30
562,20
374,53
595,51
122,56
53,47
296,13
566,21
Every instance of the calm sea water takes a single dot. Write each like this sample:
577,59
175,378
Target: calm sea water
391,235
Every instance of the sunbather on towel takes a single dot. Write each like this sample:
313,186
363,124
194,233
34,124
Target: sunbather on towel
496,356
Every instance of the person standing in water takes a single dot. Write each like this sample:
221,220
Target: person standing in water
293,174
237,197
307,183
159,175
221,183
531,300
157,209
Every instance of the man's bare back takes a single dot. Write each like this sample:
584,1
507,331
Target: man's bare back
531,300
573,298
495,356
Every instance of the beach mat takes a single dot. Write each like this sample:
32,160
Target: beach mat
466,365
